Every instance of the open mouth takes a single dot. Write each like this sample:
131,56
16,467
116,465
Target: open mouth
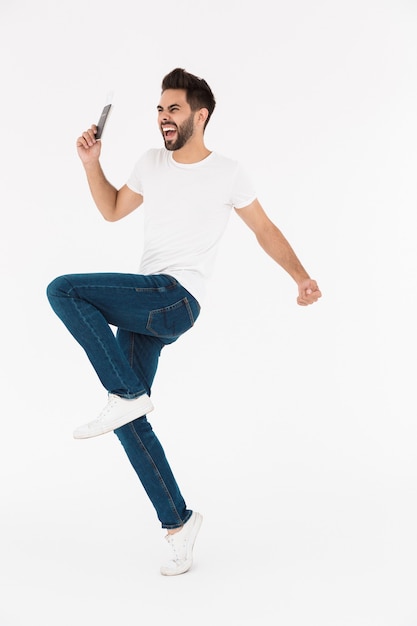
169,131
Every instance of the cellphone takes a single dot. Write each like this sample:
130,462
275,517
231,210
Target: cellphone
102,121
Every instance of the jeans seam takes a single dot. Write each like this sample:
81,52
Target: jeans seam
141,376
132,350
190,312
172,285
156,471
136,289
99,342
155,289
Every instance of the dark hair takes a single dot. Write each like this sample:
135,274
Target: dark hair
198,93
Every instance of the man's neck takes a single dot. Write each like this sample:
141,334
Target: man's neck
191,153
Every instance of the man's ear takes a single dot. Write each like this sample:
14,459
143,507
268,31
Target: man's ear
202,116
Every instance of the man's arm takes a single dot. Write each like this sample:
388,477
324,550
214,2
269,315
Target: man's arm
271,239
113,204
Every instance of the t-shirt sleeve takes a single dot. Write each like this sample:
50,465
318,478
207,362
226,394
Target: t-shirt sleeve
243,190
135,180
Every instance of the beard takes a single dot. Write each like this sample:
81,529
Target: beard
184,132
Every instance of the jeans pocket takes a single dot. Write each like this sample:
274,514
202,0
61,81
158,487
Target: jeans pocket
171,321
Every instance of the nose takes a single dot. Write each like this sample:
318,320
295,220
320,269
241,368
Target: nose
163,117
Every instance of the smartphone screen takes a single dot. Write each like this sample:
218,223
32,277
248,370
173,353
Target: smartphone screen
102,121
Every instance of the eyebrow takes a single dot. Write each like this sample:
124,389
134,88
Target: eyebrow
169,107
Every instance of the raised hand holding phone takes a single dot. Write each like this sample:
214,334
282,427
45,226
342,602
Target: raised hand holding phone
89,142
102,121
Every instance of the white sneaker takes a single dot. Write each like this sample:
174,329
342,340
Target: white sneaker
118,412
182,543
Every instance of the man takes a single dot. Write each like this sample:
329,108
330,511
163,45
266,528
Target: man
188,194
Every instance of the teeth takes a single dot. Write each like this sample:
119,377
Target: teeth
166,128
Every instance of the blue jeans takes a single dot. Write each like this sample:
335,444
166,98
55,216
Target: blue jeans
149,313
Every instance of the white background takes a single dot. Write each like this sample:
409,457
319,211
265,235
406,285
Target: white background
293,430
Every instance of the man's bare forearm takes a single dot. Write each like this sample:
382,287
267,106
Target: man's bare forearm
103,193
278,248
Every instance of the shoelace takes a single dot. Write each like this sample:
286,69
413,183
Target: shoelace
110,404
171,541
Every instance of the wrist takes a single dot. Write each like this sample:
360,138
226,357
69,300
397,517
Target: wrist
91,165
301,277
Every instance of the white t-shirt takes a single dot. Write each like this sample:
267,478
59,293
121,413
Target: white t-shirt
187,207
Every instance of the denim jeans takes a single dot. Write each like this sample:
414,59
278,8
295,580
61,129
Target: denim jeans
149,312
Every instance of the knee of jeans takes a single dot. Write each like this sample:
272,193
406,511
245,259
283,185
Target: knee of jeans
57,288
